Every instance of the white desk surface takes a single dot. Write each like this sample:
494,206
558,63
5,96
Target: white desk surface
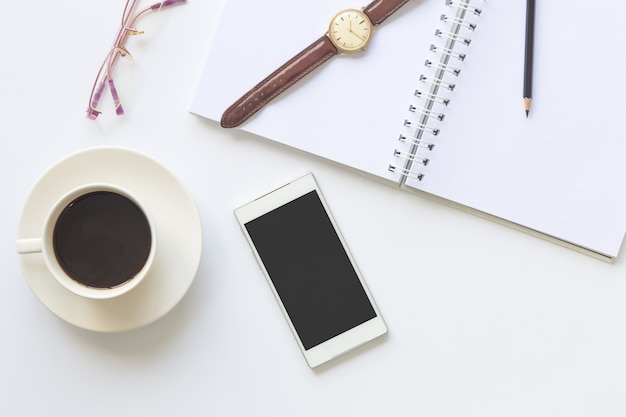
483,320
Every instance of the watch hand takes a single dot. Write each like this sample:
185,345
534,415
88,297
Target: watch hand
354,33
358,36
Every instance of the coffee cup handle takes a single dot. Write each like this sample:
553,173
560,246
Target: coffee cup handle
28,245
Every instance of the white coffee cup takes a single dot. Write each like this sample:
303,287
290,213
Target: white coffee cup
98,241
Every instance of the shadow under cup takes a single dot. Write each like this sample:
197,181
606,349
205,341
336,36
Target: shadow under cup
102,239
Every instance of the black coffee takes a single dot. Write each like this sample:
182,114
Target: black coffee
102,239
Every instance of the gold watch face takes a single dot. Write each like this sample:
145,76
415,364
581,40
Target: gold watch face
350,30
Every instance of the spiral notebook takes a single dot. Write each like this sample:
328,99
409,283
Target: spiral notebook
434,105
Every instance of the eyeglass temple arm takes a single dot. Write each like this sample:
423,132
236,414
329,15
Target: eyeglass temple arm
129,29
166,3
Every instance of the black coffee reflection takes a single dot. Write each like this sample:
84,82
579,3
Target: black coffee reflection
102,239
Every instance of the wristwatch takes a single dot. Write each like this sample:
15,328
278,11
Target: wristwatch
350,30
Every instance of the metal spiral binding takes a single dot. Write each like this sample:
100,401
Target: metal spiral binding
442,100
411,123
426,112
437,82
409,153
451,35
420,143
458,55
410,157
469,25
465,5
453,70
406,173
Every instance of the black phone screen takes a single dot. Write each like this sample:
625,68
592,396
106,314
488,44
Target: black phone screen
310,270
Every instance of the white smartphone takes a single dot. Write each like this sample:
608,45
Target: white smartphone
310,270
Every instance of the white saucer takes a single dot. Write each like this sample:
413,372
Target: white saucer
177,226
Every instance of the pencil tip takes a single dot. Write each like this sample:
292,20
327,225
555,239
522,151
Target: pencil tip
527,102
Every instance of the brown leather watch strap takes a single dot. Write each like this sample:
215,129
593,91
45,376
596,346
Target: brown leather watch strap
379,10
297,67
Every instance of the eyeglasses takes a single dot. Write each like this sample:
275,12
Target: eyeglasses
105,73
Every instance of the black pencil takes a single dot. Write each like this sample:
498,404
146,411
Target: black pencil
528,55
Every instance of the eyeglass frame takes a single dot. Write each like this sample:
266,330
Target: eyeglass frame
105,73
